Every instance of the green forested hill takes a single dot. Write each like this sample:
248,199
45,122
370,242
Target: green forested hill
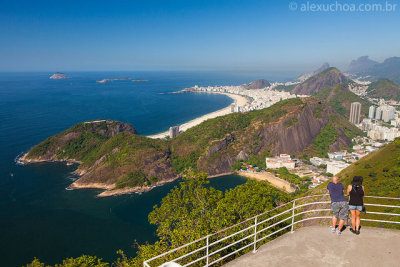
385,89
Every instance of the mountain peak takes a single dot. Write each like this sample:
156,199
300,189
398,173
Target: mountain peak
327,78
304,77
258,84
361,64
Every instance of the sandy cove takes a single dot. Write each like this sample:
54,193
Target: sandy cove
272,179
239,101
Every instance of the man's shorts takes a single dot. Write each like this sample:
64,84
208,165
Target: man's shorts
340,210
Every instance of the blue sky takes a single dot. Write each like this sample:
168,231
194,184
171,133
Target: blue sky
190,35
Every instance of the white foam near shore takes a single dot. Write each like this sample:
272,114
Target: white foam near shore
239,101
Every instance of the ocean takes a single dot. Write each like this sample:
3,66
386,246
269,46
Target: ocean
38,216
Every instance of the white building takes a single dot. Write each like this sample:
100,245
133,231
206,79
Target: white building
371,112
336,155
355,112
336,166
278,162
173,131
388,113
378,114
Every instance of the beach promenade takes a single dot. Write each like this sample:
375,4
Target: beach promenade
238,100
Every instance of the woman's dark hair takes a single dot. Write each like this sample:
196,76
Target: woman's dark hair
357,181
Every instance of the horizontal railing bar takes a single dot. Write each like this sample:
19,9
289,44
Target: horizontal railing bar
371,220
230,254
178,248
383,213
252,218
235,233
311,218
190,253
228,246
380,205
312,203
199,259
270,218
392,198
277,231
308,211
272,225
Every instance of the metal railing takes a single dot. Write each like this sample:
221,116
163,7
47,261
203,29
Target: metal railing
233,241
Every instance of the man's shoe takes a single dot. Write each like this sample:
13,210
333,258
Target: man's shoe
352,230
338,232
333,230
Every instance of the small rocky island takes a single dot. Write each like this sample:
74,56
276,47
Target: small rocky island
59,76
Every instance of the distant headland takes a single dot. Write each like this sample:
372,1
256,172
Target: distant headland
121,79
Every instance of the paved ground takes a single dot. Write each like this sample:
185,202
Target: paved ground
317,246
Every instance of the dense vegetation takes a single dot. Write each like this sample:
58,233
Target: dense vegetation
324,139
385,89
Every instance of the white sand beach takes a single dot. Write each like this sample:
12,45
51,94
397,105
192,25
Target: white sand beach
239,101
272,179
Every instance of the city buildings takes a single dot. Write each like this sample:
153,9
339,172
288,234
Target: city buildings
388,113
257,99
173,131
355,112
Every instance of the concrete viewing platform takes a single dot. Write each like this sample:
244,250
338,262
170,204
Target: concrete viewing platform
318,246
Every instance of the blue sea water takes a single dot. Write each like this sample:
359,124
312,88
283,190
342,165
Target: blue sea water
38,217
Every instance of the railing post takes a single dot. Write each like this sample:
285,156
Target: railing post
255,235
294,205
207,252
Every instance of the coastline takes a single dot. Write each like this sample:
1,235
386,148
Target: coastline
273,180
238,100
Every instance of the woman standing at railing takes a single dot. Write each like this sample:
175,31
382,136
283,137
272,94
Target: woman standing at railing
356,192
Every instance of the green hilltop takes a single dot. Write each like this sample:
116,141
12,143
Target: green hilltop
385,89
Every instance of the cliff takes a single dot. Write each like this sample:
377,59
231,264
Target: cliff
113,157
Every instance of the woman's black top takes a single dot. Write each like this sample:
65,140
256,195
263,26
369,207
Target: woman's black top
356,196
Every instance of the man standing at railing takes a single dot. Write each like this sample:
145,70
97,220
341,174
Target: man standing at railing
340,208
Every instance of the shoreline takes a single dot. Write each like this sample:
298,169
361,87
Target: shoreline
273,180
238,100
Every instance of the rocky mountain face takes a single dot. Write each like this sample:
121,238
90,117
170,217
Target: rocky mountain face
327,78
304,77
258,84
113,157
361,65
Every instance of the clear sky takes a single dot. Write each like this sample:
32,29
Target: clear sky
174,35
